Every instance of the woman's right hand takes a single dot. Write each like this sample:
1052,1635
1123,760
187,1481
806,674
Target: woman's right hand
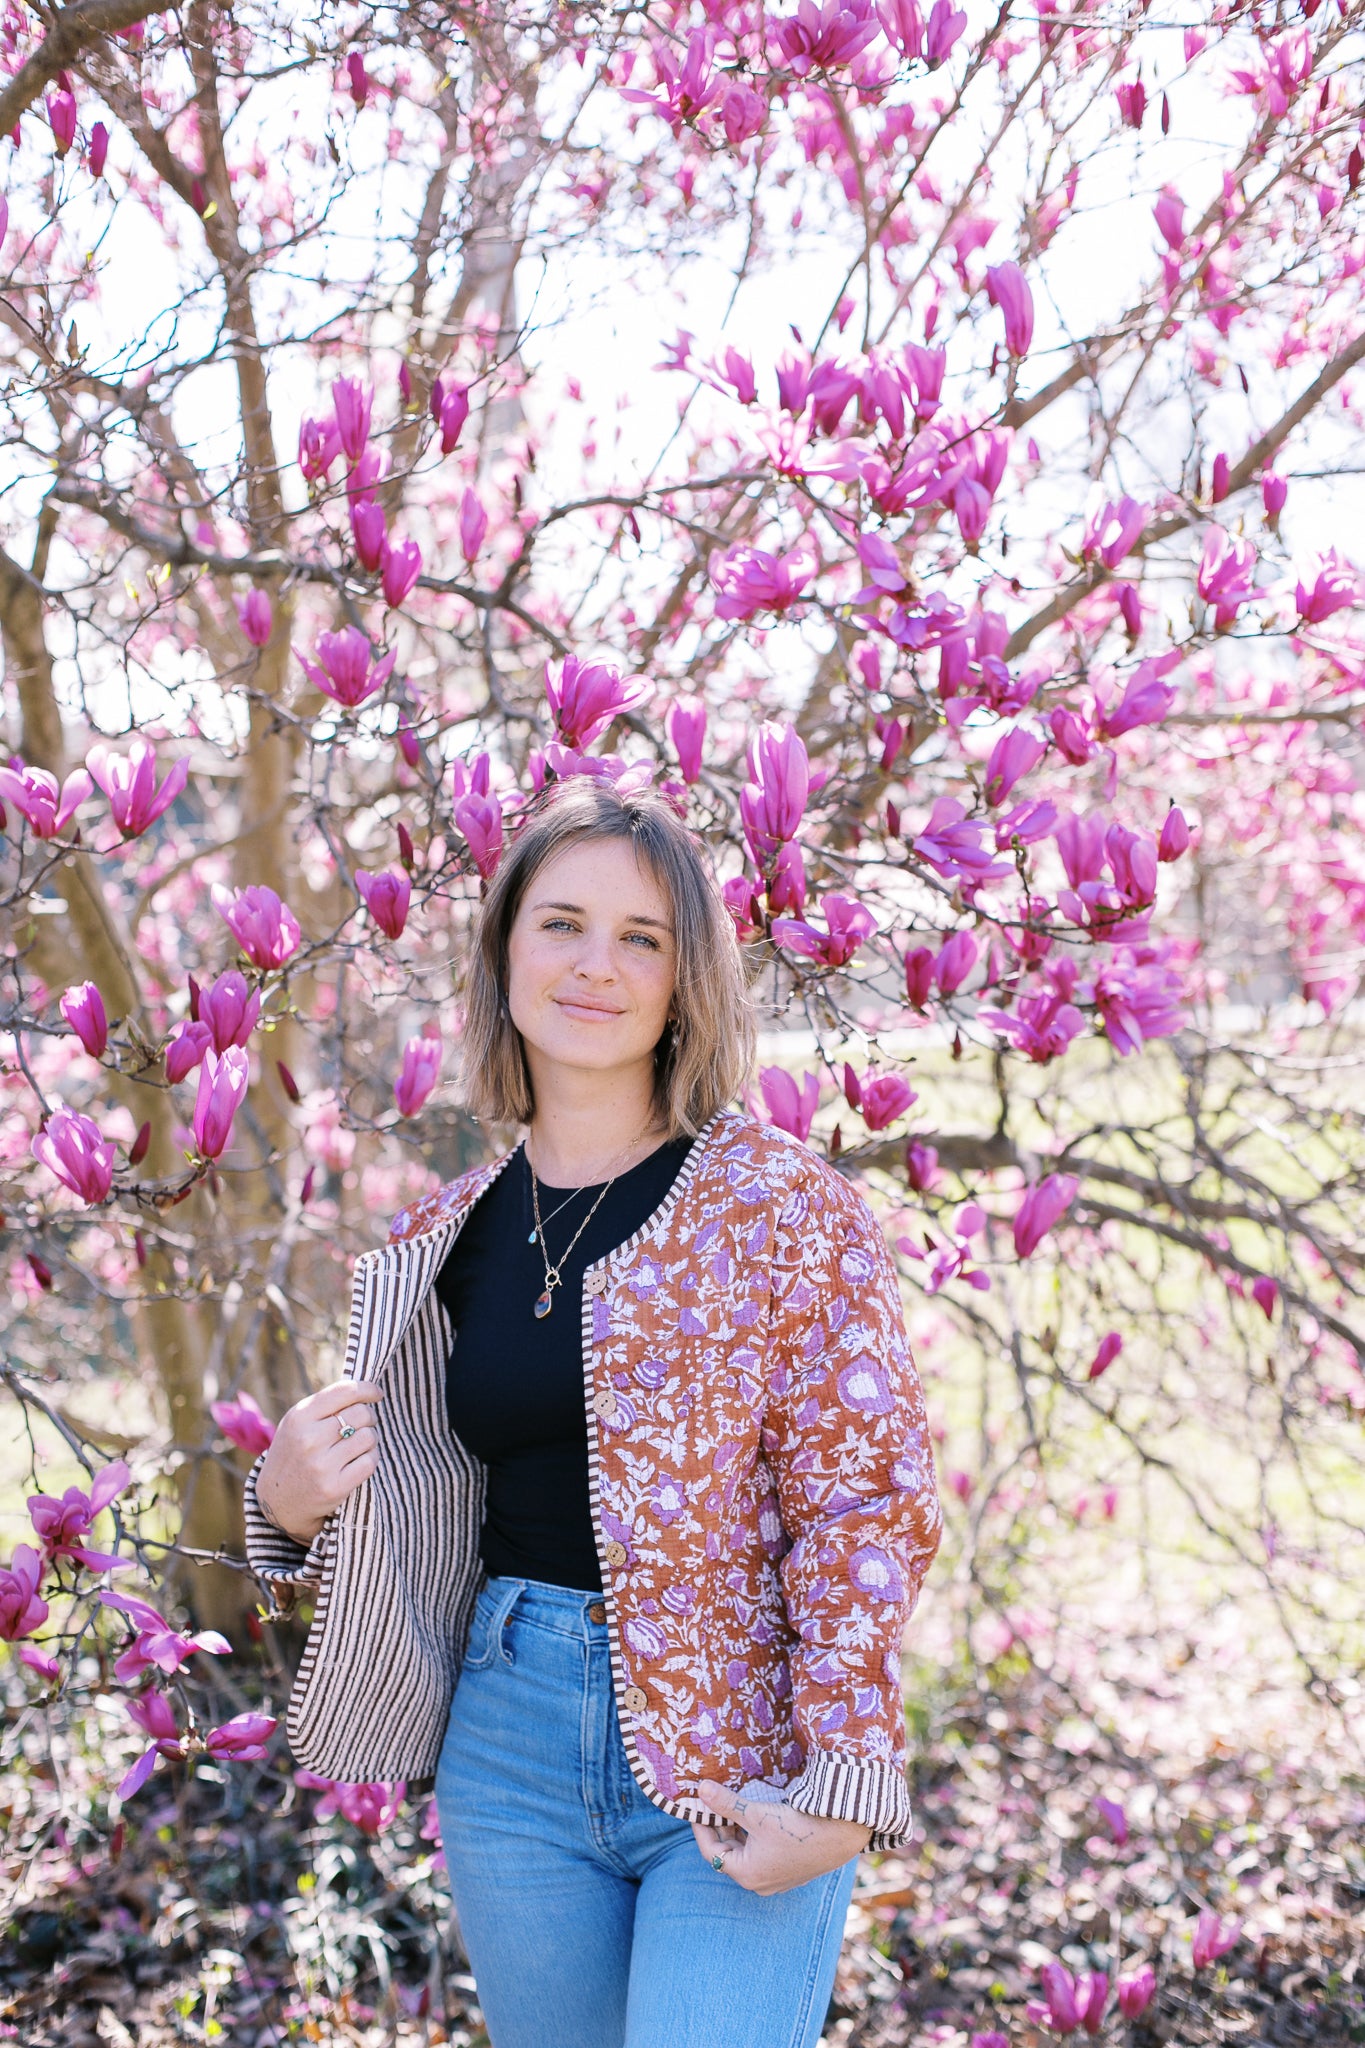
311,1467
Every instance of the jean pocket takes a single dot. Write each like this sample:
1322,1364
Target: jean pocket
483,1634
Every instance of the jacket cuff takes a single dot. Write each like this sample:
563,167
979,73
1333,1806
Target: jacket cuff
856,1788
287,1568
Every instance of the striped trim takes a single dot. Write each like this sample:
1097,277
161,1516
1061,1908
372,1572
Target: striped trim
862,1789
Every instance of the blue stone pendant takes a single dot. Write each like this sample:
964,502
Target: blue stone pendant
543,1304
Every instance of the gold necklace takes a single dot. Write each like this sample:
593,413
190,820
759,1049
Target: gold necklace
543,1302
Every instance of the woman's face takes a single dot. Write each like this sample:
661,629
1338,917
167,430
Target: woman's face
591,961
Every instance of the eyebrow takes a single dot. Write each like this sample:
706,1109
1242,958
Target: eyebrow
577,909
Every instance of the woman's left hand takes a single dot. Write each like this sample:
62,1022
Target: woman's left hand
768,1846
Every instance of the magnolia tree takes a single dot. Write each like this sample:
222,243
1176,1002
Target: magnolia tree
954,531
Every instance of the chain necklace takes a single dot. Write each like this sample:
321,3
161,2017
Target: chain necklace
544,1302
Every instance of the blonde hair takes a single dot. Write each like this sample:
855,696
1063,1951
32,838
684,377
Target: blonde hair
706,1056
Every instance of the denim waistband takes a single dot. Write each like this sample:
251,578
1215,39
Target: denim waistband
562,1608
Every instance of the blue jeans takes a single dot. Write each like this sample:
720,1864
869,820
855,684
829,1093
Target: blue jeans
590,1917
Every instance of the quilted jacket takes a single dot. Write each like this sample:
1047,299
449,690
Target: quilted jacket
762,1489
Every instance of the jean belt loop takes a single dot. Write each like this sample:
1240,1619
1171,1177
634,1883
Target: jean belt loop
508,1597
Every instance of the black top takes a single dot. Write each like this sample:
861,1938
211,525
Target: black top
514,1383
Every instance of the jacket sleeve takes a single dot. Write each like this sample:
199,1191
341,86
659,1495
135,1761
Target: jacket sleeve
287,1568
848,1442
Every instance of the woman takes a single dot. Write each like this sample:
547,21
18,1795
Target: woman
617,1517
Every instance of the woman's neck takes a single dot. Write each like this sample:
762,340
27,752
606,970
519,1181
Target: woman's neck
577,1137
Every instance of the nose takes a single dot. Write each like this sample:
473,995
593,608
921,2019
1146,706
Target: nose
594,960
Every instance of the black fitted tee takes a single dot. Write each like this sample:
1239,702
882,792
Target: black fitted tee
514,1383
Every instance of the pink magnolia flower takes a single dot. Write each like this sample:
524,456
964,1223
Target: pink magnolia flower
993,2039
241,1740
821,37
22,1608
223,1080
849,924
1109,1810
418,1074
62,1525
61,112
1335,585
243,1424
399,567
773,801
387,897
344,670
155,1716
585,696
1110,532
787,888
1015,754
1041,1210
1145,700
944,26
230,1010
473,525
480,820
1170,218
256,616
319,447
1041,1026
952,845
351,403
357,77
791,1107
953,1262
186,1049
129,782
1109,1349
883,1098
750,580
1175,835
71,1146
1265,1292
688,89
83,1009
1070,736
370,533
902,25
1213,1939
369,1806
742,898
1131,95
956,959
450,410
1135,1993
1138,999
742,112
1007,288
685,724
36,795
921,1166
99,149
1226,577
919,976
156,1642
265,928
1274,492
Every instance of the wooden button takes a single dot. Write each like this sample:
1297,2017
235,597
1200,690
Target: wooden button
616,1555
597,1612
635,1699
604,1404
596,1283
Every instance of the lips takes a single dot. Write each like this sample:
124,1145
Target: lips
586,1009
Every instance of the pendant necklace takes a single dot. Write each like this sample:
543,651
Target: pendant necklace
544,1300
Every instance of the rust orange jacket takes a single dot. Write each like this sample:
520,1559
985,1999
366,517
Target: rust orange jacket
762,1489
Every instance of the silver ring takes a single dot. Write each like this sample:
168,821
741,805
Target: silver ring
346,1428
718,1860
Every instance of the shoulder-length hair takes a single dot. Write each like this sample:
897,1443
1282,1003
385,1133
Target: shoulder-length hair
706,1055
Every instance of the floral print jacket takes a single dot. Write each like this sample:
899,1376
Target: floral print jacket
762,1492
